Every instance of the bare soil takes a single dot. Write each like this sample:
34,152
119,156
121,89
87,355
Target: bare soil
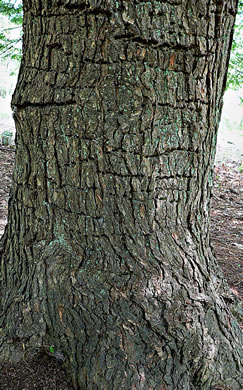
227,222
45,372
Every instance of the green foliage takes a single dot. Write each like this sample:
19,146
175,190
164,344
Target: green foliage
13,10
10,37
235,71
6,138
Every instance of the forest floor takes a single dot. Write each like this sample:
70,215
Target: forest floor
45,373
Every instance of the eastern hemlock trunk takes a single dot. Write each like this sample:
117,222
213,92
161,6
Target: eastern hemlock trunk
106,255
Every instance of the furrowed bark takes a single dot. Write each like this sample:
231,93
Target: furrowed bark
106,255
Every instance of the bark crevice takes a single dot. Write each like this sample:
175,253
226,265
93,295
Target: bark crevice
106,255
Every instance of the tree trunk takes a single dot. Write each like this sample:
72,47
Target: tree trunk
106,255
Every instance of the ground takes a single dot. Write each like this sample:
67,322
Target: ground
45,372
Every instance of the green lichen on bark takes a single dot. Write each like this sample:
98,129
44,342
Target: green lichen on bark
107,255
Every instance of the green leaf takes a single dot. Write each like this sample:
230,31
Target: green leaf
235,71
52,348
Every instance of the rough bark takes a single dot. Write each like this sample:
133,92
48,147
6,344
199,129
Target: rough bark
106,255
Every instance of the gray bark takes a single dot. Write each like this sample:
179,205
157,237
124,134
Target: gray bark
106,255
